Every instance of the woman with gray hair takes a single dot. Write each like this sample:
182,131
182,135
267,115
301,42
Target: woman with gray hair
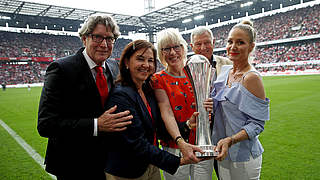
176,100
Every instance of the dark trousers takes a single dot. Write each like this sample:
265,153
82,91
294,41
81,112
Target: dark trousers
81,176
215,166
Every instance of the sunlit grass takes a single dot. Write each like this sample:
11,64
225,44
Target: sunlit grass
291,137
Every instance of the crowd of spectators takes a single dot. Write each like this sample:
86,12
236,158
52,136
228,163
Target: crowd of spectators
307,50
37,45
296,23
283,68
12,73
292,52
27,45
45,45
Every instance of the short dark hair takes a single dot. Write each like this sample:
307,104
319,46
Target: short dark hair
125,76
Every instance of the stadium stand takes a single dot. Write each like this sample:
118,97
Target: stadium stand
25,56
297,53
295,23
291,52
37,45
29,73
17,45
308,50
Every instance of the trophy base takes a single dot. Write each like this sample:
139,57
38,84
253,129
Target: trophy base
208,151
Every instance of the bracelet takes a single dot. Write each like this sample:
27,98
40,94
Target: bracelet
177,139
189,125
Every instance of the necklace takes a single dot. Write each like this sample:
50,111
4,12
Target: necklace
234,78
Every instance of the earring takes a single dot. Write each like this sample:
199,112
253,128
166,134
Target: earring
127,67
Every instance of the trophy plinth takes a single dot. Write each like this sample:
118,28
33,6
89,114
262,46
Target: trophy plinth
200,73
208,151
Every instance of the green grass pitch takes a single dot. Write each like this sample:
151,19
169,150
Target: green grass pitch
291,137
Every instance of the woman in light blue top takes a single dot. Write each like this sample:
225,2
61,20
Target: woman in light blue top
241,109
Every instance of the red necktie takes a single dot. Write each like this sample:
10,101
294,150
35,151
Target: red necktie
102,84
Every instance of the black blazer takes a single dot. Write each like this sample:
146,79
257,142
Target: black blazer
133,150
69,102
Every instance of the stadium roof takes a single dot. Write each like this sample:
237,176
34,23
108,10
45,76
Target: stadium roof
182,10
173,12
16,7
170,16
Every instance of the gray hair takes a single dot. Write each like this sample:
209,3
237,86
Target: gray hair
170,36
200,30
92,21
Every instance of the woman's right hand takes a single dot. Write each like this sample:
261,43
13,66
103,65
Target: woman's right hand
188,153
192,159
222,147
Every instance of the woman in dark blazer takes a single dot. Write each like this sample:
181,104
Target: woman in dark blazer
135,153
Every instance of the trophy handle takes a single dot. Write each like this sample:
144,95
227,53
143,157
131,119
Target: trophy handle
192,83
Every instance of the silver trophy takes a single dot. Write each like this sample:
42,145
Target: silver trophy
201,73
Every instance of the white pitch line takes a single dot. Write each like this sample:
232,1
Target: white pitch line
25,146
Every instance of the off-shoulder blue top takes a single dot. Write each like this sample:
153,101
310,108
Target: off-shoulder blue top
235,109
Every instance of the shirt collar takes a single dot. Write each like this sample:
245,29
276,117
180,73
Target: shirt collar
90,62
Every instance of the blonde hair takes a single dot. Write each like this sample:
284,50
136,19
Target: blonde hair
170,36
247,26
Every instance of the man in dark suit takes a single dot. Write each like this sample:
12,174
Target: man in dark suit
71,110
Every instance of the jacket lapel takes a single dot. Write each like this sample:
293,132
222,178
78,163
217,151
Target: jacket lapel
154,109
145,113
112,70
89,81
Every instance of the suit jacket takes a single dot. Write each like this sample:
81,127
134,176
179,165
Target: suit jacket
220,61
133,150
69,102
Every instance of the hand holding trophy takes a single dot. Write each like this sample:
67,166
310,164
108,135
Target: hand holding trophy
200,72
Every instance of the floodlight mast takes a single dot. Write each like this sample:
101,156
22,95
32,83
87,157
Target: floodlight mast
149,5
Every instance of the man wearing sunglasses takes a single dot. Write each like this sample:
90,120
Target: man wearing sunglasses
71,110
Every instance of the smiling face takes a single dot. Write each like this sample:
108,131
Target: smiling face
203,44
239,46
141,65
173,55
98,52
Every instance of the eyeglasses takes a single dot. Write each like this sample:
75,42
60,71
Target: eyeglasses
167,50
98,38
